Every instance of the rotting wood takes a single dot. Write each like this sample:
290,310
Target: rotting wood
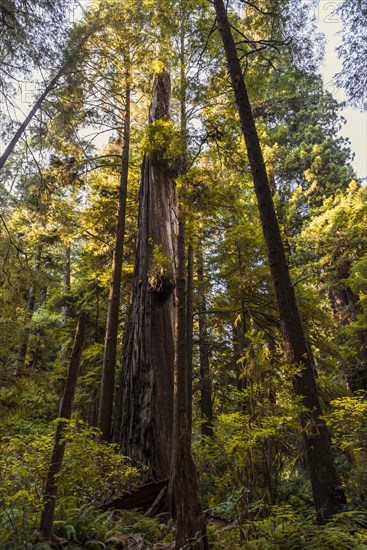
143,496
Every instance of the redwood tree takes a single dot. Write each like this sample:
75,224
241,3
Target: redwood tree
144,409
327,493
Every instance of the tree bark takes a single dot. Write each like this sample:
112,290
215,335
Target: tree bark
189,332
327,493
185,503
50,494
239,345
24,339
23,344
67,280
205,382
144,412
190,258
110,346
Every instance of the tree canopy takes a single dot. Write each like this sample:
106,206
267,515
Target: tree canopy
183,275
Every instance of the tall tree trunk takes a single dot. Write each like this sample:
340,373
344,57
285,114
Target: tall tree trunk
205,382
239,345
50,494
24,339
184,497
144,411
189,332
67,280
190,253
110,346
185,503
327,492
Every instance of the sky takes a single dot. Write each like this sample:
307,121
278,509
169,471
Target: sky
356,121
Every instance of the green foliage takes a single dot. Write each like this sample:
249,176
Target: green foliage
92,472
61,190
160,261
254,451
347,421
162,140
83,524
286,530
160,273
151,529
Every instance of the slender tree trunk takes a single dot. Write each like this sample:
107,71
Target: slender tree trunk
110,346
184,497
190,257
67,280
52,84
189,332
205,382
144,412
24,339
185,503
49,500
239,345
22,128
327,492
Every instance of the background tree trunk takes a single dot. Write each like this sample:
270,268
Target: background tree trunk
24,338
185,503
189,332
327,492
67,280
48,513
110,345
144,412
239,345
205,382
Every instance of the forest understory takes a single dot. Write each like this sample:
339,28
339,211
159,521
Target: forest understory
183,277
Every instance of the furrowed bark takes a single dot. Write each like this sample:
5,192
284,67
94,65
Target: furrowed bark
183,491
144,410
327,493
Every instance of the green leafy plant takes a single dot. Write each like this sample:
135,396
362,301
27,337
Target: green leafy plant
93,473
160,274
162,140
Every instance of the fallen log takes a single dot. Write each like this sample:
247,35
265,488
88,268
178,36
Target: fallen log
140,498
